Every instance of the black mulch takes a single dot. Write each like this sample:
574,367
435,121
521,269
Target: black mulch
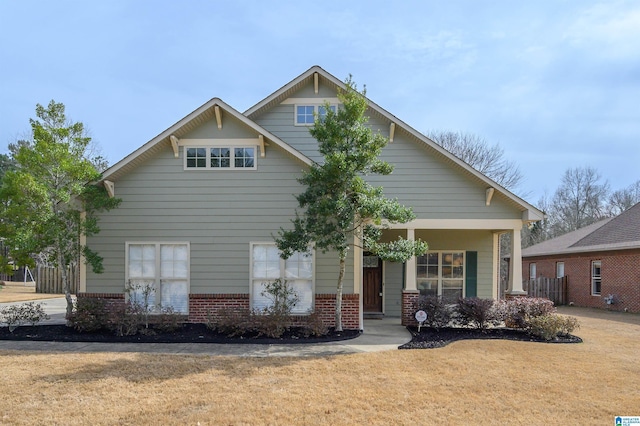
429,338
188,333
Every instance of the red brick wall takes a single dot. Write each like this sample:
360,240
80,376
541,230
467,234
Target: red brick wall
200,305
409,299
620,277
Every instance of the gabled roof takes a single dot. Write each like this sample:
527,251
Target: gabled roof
196,118
529,212
619,233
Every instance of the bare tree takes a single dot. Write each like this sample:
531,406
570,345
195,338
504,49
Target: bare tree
479,154
579,201
623,199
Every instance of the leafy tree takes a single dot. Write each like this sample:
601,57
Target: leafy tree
48,201
579,201
339,204
6,163
476,151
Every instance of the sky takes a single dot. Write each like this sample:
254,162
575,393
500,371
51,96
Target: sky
555,83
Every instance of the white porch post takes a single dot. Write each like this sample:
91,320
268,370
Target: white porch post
410,273
515,270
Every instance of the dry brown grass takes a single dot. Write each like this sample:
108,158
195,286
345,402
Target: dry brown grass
19,292
468,382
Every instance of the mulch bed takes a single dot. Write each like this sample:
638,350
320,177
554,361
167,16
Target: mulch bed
430,338
188,333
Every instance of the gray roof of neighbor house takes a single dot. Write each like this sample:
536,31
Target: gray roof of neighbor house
619,233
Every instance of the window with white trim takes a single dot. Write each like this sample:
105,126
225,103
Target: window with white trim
162,268
297,271
305,114
441,273
533,271
596,277
559,269
220,158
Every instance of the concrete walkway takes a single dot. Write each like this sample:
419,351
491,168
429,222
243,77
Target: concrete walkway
379,335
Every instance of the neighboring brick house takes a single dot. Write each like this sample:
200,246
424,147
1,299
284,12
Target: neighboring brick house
601,262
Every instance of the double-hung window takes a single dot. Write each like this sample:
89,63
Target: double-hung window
305,114
297,271
441,273
158,275
596,277
220,158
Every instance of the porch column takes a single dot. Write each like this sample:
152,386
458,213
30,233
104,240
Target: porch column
410,272
515,269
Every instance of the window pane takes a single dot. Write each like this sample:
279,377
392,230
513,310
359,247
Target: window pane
173,260
304,291
196,157
299,265
266,262
175,295
142,261
428,287
142,290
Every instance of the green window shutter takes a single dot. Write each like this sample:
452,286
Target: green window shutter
471,281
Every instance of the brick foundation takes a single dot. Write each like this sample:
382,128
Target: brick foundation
203,306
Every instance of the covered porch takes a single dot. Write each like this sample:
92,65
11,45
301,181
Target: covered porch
463,261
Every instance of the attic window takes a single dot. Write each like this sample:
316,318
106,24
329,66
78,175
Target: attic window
216,158
305,114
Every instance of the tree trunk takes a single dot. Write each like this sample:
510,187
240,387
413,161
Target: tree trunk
339,295
66,285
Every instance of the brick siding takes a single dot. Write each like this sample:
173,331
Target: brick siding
620,273
409,300
203,306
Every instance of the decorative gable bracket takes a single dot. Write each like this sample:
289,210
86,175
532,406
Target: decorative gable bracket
110,187
174,144
489,196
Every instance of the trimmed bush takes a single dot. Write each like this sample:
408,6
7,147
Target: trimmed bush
518,311
312,325
550,326
89,314
24,313
439,313
477,313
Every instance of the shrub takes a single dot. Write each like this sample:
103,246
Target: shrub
17,315
550,326
128,319
477,313
232,321
517,312
168,320
312,325
439,313
89,314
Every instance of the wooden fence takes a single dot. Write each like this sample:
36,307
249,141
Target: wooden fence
49,280
554,289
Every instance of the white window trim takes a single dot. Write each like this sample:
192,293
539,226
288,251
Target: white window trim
219,144
594,277
440,279
533,271
159,278
315,112
557,270
282,263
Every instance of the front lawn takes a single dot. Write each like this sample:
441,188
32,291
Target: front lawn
467,382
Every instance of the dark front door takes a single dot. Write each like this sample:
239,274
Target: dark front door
372,283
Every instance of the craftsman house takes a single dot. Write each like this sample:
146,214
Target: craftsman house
601,262
202,201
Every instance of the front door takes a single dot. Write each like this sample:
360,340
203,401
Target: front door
372,283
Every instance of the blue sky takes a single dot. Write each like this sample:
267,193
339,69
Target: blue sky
555,83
